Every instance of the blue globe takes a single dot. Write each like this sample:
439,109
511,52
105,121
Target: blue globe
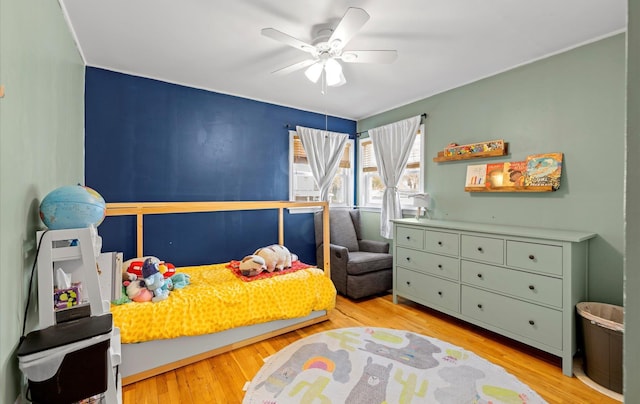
72,207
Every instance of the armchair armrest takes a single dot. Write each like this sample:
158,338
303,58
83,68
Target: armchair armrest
374,246
339,256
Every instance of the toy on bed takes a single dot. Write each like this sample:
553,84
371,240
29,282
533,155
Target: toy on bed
252,265
155,280
137,291
277,257
132,268
180,280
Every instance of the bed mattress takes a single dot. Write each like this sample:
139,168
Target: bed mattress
217,300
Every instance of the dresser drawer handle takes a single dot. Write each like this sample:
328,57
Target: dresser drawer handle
408,258
480,276
531,287
440,243
408,237
408,283
480,306
439,266
532,257
439,293
531,322
480,249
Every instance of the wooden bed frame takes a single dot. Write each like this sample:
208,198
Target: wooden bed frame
147,359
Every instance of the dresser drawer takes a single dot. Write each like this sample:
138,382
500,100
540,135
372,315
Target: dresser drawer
537,288
410,237
536,257
483,249
441,242
428,263
431,290
535,322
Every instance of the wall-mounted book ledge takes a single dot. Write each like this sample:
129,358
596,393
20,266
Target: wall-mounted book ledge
492,148
543,188
538,173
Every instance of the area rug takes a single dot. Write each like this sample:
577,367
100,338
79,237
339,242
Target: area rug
380,365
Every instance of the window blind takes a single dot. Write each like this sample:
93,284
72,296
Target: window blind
300,157
368,158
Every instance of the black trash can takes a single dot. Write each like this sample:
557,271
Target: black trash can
67,362
602,333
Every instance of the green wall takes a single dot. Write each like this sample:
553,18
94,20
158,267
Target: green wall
632,210
41,148
573,103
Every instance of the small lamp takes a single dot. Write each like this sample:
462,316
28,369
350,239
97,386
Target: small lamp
422,201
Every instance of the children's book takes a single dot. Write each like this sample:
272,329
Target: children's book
513,173
476,176
544,170
494,175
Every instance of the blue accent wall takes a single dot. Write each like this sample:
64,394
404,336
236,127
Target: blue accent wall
151,141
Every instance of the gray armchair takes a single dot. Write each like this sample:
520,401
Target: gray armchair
359,268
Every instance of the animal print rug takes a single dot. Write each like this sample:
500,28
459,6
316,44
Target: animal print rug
380,365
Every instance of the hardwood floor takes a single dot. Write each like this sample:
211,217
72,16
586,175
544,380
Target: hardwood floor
221,379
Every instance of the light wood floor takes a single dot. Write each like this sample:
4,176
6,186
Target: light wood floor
221,379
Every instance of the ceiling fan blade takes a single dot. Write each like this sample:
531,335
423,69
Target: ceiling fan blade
350,24
288,40
369,56
294,67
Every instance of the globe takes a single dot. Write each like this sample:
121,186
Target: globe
72,207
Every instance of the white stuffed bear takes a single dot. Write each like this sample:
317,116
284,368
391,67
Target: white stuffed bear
276,257
252,265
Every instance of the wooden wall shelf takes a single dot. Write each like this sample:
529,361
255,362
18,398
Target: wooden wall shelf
440,158
545,188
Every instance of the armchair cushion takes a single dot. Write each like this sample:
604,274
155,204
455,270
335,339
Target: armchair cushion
361,262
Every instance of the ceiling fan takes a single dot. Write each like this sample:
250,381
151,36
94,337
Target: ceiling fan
327,49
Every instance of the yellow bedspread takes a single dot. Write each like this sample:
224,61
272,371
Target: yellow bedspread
217,300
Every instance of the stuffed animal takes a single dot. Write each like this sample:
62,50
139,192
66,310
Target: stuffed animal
155,280
252,265
180,280
137,291
276,257
131,268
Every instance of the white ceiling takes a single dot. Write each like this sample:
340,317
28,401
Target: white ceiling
442,44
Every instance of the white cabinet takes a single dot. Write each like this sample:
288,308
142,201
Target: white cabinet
72,251
520,282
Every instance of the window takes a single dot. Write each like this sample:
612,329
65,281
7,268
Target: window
302,186
371,187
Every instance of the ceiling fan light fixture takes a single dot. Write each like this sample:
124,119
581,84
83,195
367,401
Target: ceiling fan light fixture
333,70
341,80
314,72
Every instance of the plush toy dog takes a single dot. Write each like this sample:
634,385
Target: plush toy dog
131,268
276,257
252,265
155,281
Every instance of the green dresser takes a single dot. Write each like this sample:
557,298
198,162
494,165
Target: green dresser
521,282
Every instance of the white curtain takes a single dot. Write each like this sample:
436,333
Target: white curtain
391,146
324,150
